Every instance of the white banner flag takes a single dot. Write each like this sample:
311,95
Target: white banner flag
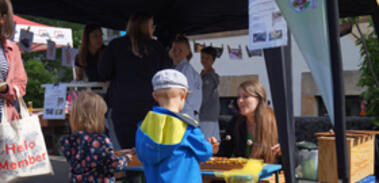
307,20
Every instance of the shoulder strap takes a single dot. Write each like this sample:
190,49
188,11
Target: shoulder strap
187,119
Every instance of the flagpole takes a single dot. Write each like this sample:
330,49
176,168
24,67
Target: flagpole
338,90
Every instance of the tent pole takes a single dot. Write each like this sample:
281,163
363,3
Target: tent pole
278,65
338,90
375,19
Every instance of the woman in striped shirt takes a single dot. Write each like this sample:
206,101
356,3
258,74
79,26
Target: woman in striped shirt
12,72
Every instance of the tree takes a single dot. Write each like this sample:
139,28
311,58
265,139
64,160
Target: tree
370,70
37,75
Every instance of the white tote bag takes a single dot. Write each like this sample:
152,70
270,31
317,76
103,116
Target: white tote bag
22,146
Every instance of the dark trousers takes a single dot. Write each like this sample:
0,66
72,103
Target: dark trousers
125,125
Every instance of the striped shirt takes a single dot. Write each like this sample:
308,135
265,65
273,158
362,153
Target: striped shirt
3,74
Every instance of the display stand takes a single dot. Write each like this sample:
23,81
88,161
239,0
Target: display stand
98,87
53,129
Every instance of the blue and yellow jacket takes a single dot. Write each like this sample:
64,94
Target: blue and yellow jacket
170,146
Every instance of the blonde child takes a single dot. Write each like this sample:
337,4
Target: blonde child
180,54
88,151
170,144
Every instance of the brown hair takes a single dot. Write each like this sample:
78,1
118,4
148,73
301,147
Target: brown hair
210,51
184,40
138,33
7,29
88,113
84,48
265,132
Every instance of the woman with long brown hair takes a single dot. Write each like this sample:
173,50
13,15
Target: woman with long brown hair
130,62
12,73
90,53
253,133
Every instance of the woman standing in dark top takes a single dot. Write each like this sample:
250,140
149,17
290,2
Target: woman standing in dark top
90,53
253,132
130,62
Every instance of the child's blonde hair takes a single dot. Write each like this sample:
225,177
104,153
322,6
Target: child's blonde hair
167,93
88,113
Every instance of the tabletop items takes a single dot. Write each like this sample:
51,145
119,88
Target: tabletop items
223,163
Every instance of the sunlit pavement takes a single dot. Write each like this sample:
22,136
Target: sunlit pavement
60,167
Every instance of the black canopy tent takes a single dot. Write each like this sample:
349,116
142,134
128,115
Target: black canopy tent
199,17
172,16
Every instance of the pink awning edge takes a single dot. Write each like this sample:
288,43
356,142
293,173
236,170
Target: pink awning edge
23,21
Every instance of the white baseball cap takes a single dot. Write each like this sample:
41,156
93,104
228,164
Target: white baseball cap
169,78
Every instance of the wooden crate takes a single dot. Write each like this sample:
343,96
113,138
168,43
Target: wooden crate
360,149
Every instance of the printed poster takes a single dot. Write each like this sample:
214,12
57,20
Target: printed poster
219,51
55,101
26,40
51,50
68,56
235,53
197,47
267,27
254,53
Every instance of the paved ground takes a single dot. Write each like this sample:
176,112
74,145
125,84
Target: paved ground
60,167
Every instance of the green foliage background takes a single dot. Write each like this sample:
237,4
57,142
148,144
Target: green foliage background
41,71
37,75
371,93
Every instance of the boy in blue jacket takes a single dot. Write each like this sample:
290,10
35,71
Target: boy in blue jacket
170,144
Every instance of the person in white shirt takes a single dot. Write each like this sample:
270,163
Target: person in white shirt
180,53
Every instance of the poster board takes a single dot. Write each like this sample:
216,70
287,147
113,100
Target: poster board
55,101
267,27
